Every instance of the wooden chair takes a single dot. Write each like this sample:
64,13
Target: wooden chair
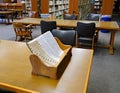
85,34
23,31
70,17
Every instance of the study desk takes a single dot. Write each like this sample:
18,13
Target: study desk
17,10
7,15
111,26
15,7
15,69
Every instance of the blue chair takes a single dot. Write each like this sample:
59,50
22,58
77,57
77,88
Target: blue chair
47,26
85,34
70,17
66,37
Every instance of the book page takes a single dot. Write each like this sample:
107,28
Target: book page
46,47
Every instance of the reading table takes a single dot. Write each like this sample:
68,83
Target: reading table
111,25
7,15
15,69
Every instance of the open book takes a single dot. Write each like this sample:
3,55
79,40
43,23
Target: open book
46,48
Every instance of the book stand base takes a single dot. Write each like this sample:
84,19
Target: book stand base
54,72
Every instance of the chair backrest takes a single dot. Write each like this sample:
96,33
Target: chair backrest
47,26
70,17
85,29
66,37
45,15
17,26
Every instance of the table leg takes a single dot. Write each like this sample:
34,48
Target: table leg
111,46
19,14
12,16
97,35
7,17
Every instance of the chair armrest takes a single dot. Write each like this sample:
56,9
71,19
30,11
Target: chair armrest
28,26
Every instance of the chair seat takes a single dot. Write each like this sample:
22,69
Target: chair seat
85,40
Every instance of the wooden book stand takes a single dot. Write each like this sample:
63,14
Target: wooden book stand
55,72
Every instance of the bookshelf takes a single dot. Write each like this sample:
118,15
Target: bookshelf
84,8
81,7
28,5
101,6
107,9
54,7
57,7
10,1
97,6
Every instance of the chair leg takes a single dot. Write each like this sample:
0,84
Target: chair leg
16,38
76,43
93,41
97,35
25,39
31,36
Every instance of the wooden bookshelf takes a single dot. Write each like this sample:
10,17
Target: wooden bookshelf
84,8
81,7
10,1
101,7
28,5
57,7
54,7
107,9
73,6
116,8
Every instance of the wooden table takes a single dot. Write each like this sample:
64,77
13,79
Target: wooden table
17,10
15,69
7,13
111,26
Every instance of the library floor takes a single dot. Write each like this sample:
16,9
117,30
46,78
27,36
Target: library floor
105,71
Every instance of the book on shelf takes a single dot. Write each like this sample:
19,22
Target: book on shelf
46,48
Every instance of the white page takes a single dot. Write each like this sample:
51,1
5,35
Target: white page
49,45
37,50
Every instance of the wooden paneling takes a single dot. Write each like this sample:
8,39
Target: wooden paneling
73,6
34,5
6,1
107,7
44,6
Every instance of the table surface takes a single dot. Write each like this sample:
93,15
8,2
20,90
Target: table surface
100,25
109,25
15,69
